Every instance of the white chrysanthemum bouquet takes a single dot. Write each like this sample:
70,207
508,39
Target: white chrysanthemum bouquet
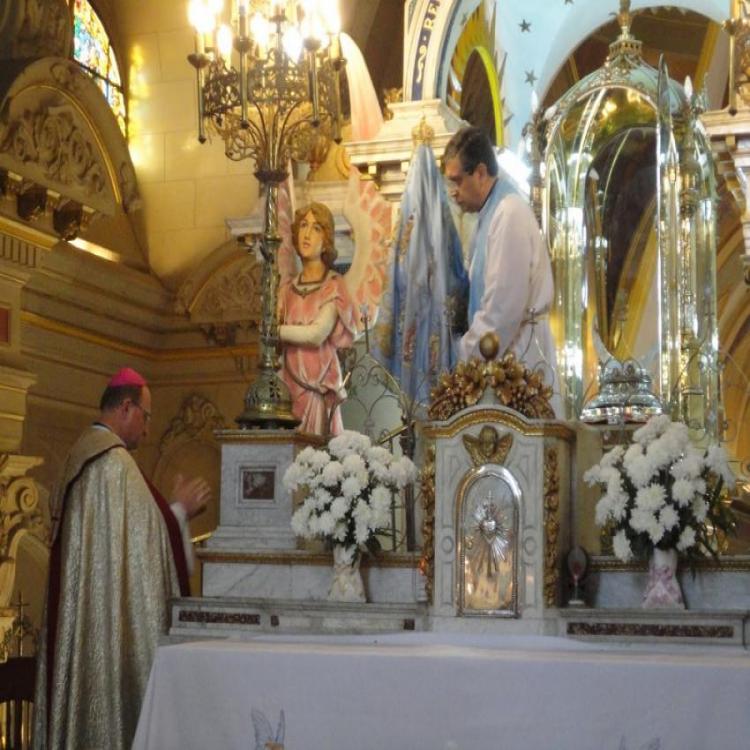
662,491
349,488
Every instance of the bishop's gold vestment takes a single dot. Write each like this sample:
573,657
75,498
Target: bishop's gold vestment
116,575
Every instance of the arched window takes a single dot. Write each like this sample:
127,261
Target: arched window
93,52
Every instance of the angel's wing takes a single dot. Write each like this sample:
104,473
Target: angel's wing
281,731
288,262
370,217
263,731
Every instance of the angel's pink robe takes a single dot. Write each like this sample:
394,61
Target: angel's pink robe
312,372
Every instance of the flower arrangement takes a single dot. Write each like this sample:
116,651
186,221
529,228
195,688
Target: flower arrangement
349,487
662,491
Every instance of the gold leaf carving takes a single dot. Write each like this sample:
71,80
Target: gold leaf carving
551,526
488,447
427,487
514,385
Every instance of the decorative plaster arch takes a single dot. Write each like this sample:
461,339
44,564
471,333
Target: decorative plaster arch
223,294
57,131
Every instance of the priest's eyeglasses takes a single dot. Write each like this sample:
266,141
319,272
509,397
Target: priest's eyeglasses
146,413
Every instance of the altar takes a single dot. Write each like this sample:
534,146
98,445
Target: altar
436,691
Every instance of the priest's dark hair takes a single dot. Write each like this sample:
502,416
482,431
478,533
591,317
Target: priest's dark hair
114,395
472,146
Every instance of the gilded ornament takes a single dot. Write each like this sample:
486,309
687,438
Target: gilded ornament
738,26
488,447
551,527
513,384
427,488
422,134
391,96
489,345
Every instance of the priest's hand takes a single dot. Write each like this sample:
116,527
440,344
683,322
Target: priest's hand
192,494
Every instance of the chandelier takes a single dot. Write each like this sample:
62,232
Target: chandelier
268,84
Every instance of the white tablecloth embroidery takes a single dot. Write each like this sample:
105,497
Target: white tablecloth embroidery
433,692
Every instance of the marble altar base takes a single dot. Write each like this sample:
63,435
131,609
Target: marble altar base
713,588
306,576
699,628
194,618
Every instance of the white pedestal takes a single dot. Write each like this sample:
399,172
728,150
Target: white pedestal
255,509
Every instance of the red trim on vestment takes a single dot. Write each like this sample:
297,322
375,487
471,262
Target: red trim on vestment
175,539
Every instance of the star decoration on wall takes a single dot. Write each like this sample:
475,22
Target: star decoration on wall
530,77
525,25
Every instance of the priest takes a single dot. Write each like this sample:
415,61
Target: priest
119,552
510,274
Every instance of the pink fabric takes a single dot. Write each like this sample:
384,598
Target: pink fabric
313,373
126,376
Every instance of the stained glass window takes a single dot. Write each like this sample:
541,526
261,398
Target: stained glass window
92,51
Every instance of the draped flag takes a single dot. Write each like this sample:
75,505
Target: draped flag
423,312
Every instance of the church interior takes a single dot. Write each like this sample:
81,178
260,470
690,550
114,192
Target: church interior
131,234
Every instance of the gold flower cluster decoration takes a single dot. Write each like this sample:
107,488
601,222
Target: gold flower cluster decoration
513,384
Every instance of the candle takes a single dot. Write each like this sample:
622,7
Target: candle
335,46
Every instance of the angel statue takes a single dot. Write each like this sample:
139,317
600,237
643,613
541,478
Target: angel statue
319,309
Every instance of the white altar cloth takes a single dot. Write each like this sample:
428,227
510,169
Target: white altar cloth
429,691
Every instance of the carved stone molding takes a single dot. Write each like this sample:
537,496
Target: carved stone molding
24,254
34,28
227,300
386,157
58,134
730,142
51,142
197,420
19,514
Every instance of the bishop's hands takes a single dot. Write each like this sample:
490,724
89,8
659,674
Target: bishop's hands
192,494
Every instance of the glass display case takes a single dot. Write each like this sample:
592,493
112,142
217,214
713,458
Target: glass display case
628,210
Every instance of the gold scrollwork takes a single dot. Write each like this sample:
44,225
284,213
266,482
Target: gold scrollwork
514,385
427,487
551,527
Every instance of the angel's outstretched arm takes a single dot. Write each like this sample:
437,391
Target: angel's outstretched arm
311,334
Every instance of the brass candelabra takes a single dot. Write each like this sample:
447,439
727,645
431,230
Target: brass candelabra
267,84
